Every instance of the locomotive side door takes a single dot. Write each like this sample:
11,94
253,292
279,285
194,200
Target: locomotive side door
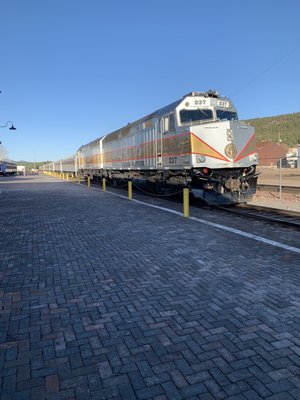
158,142
163,125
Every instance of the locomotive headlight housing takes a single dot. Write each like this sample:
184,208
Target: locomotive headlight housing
200,159
254,157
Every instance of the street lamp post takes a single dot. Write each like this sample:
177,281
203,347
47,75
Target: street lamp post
12,128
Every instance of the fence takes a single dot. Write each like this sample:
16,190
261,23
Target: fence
279,173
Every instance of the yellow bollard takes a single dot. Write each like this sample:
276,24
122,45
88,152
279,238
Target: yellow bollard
186,211
129,190
67,177
104,185
78,179
89,181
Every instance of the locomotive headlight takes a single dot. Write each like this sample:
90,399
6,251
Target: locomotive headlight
254,157
200,159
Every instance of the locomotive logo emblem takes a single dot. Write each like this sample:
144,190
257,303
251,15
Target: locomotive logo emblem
230,150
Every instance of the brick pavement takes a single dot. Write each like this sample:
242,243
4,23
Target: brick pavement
105,299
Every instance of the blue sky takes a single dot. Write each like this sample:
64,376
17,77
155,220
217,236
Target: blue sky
73,70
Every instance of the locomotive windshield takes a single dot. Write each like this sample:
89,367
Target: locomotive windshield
195,115
224,114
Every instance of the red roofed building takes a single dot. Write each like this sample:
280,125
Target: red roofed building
269,153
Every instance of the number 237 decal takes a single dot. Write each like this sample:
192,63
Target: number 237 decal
172,160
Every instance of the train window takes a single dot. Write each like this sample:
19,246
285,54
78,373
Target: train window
148,123
159,126
172,122
229,115
166,125
195,115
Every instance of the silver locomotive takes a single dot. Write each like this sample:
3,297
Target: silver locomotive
196,142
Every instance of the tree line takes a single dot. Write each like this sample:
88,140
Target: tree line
283,128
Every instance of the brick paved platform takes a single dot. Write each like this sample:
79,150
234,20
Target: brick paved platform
102,298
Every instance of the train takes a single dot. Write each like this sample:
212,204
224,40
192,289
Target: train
196,142
7,168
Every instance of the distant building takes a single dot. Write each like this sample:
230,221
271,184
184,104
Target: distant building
269,153
291,160
21,169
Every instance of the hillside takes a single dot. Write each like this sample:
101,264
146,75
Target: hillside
285,127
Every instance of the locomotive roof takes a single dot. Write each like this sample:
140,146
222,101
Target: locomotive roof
170,107
164,110
159,112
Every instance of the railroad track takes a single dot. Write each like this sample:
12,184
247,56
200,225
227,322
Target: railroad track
276,188
270,215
